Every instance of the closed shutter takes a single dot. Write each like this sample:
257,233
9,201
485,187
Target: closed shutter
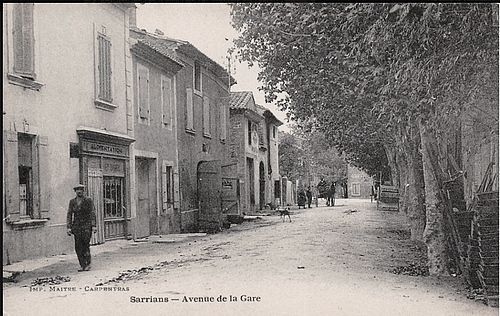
189,109
166,86
23,38
143,92
164,187
223,127
12,175
44,176
176,188
206,116
104,67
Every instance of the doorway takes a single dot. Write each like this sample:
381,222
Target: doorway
262,186
209,195
251,182
146,197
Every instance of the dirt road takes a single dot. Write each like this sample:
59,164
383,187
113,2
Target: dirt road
327,261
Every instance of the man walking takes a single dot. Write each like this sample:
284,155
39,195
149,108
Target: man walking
81,222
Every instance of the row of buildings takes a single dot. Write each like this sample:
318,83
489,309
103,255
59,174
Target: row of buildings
147,123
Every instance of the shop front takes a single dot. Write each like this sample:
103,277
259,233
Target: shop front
104,170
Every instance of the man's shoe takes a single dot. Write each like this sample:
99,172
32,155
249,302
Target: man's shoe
87,268
81,269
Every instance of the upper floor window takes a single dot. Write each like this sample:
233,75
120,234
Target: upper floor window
274,131
223,124
197,77
166,100
104,67
143,109
189,110
206,117
249,132
23,40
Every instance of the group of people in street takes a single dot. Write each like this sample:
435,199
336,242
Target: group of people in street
323,191
304,197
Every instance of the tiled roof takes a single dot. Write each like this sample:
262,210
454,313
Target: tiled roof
157,44
169,46
266,112
239,100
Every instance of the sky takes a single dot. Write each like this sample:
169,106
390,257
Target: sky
206,26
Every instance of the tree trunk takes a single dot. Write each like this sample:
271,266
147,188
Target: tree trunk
434,233
390,151
403,172
416,187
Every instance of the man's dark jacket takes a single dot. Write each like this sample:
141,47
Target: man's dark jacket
81,217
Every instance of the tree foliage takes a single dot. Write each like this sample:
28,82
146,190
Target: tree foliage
358,72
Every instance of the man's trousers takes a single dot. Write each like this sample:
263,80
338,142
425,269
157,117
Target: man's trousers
82,246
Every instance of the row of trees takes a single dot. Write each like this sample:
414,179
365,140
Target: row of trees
306,155
386,84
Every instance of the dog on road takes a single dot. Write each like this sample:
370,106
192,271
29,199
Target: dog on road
284,212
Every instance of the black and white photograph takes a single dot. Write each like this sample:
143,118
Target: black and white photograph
250,159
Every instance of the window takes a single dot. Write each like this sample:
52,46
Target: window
27,186
274,131
189,109
166,100
113,197
223,123
356,189
197,77
104,67
167,188
25,161
23,40
249,133
143,93
206,116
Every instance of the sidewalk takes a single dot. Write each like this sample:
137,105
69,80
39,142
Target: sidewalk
64,263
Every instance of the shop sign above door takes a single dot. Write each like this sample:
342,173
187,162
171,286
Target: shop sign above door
106,149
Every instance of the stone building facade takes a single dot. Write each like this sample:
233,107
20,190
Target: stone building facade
156,188
359,183
254,151
67,105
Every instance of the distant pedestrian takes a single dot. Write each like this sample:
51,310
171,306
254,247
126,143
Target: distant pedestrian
332,193
301,199
309,196
81,222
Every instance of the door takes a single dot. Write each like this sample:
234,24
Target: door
262,186
251,183
94,191
209,195
143,198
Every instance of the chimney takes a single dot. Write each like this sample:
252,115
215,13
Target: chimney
132,17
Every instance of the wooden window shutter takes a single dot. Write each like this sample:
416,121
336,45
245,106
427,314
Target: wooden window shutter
206,115
223,123
11,175
164,188
166,85
44,178
143,92
104,67
189,108
23,39
175,180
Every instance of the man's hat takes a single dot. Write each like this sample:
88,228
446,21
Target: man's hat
79,186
